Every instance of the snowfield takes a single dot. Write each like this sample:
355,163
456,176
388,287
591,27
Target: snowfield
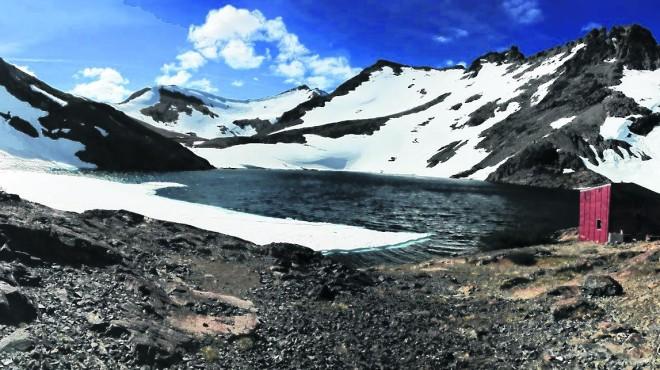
403,145
50,96
227,111
644,88
61,152
77,193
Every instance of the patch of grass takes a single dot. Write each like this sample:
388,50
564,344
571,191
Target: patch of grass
340,306
209,354
245,343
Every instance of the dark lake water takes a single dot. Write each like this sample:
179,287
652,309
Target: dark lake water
459,214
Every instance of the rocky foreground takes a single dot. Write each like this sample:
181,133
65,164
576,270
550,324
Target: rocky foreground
115,290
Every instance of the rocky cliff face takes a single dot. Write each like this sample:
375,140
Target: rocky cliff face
579,114
40,122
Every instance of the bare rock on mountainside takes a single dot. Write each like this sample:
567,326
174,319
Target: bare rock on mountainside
573,115
188,111
15,307
54,126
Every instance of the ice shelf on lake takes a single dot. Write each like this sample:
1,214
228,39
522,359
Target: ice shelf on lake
78,193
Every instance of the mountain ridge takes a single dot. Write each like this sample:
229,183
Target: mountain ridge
46,124
204,115
520,110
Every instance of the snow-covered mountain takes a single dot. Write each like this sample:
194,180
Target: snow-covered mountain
41,124
575,115
188,111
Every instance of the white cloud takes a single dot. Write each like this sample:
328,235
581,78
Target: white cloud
232,35
442,39
451,35
180,78
523,11
105,85
590,26
321,82
180,73
237,83
459,32
223,25
290,47
331,67
203,85
451,63
191,60
293,70
27,70
316,71
240,55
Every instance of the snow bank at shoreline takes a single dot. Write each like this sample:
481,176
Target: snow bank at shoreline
77,193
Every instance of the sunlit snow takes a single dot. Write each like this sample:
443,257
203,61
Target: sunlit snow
17,143
79,193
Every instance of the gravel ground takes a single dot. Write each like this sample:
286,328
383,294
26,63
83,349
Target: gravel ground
115,290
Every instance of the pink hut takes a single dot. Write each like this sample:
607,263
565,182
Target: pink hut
619,212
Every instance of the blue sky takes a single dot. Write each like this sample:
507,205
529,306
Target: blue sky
245,48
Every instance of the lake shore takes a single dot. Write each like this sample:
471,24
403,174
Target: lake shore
112,289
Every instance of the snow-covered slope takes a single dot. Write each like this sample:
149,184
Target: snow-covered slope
208,116
41,126
528,120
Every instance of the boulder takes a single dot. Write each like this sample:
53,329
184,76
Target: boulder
288,254
6,254
153,343
20,341
573,308
322,293
58,245
514,282
18,274
15,308
601,286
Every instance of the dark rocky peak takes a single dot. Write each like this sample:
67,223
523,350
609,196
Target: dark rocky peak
366,73
636,47
631,46
382,63
20,85
303,87
173,102
299,88
512,55
320,92
168,94
136,95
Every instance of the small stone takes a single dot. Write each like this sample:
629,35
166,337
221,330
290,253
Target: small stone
467,289
514,282
323,293
95,322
